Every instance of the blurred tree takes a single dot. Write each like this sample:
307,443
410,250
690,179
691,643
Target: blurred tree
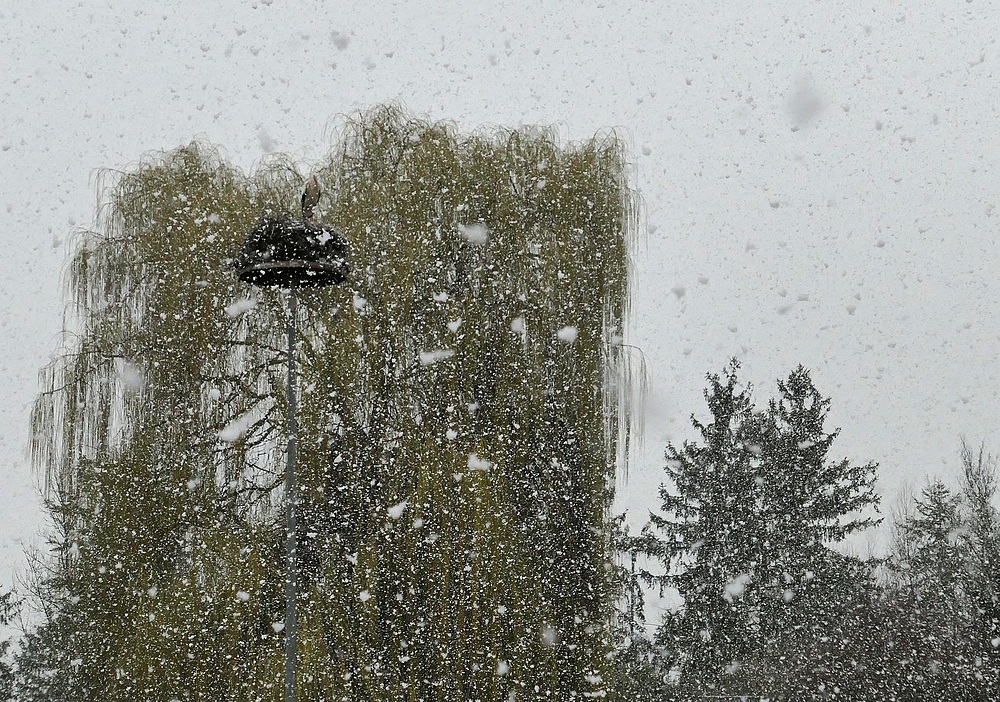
749,514
638,667
982,539
942,586
928,594
8,610
465,406
929,557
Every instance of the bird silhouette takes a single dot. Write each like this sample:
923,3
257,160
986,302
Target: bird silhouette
310,198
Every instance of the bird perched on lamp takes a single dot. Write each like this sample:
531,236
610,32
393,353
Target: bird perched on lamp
310,198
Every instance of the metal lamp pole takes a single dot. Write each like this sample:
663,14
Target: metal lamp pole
280,253
291,498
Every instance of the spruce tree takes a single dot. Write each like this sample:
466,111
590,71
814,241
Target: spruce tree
8,610
705,533
464,409
749,514
928,593
930,555
941,589
982,539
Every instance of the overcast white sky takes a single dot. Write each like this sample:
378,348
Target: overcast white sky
819,179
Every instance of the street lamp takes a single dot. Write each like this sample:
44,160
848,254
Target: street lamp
288,254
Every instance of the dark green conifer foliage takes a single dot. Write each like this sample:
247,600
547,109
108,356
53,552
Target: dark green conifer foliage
749,513
942,583
464,405
982,539
8,609
930,554
707,529
929,637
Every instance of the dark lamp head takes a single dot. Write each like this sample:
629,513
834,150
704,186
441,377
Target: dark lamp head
283,253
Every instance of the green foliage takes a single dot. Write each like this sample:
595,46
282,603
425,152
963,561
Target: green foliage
454,538
748,515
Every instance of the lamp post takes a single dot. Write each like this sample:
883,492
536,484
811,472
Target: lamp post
287,254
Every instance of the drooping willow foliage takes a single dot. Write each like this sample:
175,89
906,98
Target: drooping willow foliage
464,407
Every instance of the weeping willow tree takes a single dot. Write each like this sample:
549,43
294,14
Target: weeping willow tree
464,408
